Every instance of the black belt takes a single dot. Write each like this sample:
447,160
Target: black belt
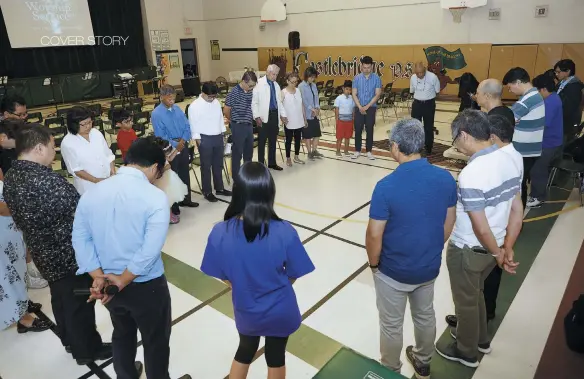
425,101
241,123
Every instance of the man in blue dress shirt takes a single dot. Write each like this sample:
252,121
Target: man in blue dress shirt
170,123
119,230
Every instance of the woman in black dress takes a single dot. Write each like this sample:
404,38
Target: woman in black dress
467,89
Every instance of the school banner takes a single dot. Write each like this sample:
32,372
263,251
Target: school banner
394,64
446,59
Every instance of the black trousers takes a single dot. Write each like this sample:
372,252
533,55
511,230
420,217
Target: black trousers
145,307
295,134
75,317
491,290
242,145
269,131
181,164
212,150
364,121
540,172
425,112
528,163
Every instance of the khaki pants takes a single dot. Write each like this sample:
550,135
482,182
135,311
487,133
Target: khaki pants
468,271
392,298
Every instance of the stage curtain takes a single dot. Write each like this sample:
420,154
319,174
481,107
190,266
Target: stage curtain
109,18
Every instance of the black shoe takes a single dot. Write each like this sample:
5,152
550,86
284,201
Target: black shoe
224,192
484,348
38,325
188,204
451,353
275,167
175,209
34,307
186,376
422,371
105,352
452,321
139,368
211,198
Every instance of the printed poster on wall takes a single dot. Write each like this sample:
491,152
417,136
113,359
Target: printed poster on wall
162,66
215,50
174,61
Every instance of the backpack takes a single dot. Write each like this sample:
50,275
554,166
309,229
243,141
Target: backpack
574,326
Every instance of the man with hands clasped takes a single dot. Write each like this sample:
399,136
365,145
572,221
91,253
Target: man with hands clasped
268,111
489,215
366,92
119,229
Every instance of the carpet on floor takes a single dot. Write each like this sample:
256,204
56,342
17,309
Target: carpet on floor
437,157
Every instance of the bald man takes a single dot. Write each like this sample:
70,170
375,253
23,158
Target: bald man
268,111
489,95
425,85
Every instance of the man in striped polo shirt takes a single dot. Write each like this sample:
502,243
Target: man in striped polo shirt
489,216
238,111
529,113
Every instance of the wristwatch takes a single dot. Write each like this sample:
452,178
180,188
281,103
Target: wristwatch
373,267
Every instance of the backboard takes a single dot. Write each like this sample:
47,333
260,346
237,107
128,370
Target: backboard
447,4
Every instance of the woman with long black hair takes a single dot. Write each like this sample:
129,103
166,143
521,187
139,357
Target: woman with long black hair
467,91
260,256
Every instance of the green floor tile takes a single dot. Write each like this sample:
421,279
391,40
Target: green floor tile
347,364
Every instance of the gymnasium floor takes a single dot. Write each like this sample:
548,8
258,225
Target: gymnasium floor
327,201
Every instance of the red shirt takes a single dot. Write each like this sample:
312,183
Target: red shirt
125,139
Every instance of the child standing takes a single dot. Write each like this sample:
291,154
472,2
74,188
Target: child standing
344,108
292,101
126,135
169,182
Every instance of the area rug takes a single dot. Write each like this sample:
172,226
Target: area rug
437,157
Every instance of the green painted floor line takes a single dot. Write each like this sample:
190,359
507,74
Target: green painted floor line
308,344
526,248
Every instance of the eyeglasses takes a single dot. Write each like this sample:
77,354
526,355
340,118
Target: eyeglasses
293,81
19,115
86,123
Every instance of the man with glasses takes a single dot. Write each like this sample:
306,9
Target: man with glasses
489,216
207,129
238,111
171,124
570,91
425,85
13,108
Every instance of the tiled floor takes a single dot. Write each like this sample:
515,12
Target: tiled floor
337,300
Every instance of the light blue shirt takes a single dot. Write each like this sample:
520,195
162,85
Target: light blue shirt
310,98
121,223
346,106
366,87
171,124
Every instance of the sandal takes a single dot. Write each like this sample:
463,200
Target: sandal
289,162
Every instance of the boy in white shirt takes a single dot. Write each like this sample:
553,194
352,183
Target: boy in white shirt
344,108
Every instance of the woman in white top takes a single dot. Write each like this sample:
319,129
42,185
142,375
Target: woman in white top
85,152
292,101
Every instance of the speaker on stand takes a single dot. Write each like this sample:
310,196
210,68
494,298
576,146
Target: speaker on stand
293,44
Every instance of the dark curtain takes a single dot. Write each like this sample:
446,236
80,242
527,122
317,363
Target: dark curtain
109,18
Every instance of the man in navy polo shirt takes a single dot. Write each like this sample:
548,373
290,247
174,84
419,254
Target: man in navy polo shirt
412,214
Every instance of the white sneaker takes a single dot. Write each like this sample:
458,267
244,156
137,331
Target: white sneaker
356,155
370,156
34,283
533,202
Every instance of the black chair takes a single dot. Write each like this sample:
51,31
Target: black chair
54,122
141,121
35,117
63,112
187,110
339,90
564,162
319,86
329,83
117,104
388,87
96,109
114,148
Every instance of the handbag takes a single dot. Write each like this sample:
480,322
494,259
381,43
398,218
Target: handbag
574,326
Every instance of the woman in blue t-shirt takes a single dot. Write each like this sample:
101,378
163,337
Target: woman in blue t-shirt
259,256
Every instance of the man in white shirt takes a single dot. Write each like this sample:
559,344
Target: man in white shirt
268,111
424,85
489,215
207,128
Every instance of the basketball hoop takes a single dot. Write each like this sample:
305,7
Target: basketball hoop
457,13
